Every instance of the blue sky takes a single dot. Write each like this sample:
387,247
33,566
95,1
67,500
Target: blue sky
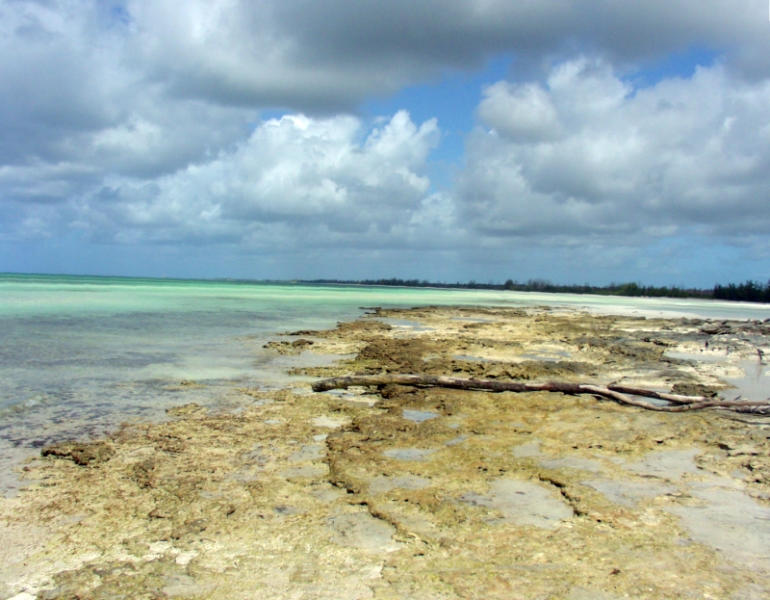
589,141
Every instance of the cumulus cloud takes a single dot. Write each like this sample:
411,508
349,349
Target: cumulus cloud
144,120
147,87
585,152
523,111
323,176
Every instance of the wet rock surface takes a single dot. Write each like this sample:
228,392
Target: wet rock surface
423,493
82,454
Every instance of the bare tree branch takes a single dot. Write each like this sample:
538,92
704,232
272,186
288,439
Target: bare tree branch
618,393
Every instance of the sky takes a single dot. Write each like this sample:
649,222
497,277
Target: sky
590,141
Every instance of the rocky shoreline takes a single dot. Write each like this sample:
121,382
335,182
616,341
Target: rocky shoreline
425,493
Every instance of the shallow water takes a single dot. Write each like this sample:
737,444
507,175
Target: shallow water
418,416
409,454
753,385
522,502
80,355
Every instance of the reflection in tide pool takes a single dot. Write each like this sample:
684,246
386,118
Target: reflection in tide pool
753,385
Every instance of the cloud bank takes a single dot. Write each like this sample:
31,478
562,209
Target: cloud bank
237,126
594,155
326,177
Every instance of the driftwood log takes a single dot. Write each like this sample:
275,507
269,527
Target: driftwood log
618,393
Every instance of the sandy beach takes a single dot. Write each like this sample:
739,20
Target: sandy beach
406,492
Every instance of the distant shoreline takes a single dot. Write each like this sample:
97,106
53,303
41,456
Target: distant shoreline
749,291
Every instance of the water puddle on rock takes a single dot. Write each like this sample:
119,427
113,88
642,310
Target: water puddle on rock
527,450
547,356
354,396
532,450
404,324
418,416
717,511
573,462
522,502
703,356
753,385
730,521
308,453
666,464
456,440
330,421
471,358
361,530
409,453
311,471
384,483
628,493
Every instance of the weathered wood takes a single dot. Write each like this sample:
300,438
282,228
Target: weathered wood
617,393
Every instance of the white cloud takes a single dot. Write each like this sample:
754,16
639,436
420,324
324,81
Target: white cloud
326,175
150,87
685,154
524,112
144,121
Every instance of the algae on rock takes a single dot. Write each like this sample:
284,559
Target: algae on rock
355,495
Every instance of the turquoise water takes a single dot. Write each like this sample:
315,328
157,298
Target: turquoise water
79,355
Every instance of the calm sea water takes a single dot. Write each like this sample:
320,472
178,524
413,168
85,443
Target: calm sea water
79,355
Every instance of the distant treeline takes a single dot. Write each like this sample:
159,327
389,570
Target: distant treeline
750,291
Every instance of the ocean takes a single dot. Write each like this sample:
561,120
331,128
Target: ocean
79,355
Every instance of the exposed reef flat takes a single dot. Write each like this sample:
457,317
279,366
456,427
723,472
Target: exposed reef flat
404,492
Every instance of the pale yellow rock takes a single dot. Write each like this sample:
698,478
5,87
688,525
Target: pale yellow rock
423,493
